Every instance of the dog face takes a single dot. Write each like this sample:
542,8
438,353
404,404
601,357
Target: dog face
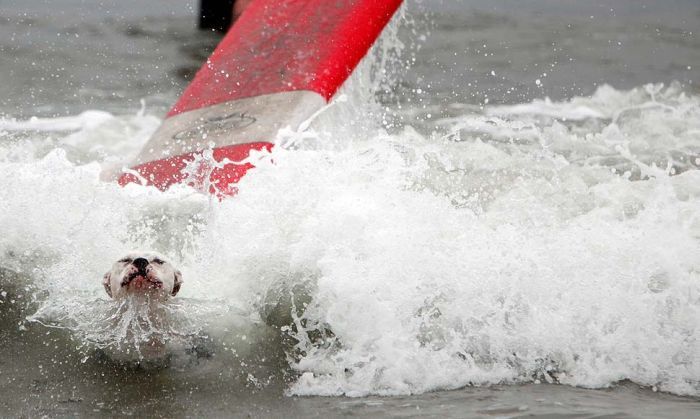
142,273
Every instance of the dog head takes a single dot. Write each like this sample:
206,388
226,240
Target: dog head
144,273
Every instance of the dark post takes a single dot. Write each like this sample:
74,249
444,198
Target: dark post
215,14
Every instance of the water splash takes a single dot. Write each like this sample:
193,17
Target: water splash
551,241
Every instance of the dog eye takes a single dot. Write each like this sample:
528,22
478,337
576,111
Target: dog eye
125,260
158,261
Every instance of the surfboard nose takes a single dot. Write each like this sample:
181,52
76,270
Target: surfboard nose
279,63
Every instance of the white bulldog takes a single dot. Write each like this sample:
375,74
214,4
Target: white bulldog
142,273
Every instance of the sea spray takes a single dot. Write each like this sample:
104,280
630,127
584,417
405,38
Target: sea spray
558,241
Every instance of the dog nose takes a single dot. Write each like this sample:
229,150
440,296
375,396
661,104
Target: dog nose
140,263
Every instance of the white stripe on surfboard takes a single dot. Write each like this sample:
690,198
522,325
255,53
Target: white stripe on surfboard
255,119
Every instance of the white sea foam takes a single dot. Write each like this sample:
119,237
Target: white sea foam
512,245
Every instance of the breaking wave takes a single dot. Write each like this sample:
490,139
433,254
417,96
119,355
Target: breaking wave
546,241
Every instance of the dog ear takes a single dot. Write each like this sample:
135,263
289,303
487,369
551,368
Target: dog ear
105,283
178,283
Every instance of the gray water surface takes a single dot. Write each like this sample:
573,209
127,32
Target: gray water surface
62,57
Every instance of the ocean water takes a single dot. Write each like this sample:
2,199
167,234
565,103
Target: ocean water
498,217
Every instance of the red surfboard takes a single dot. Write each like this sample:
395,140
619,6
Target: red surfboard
279,63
